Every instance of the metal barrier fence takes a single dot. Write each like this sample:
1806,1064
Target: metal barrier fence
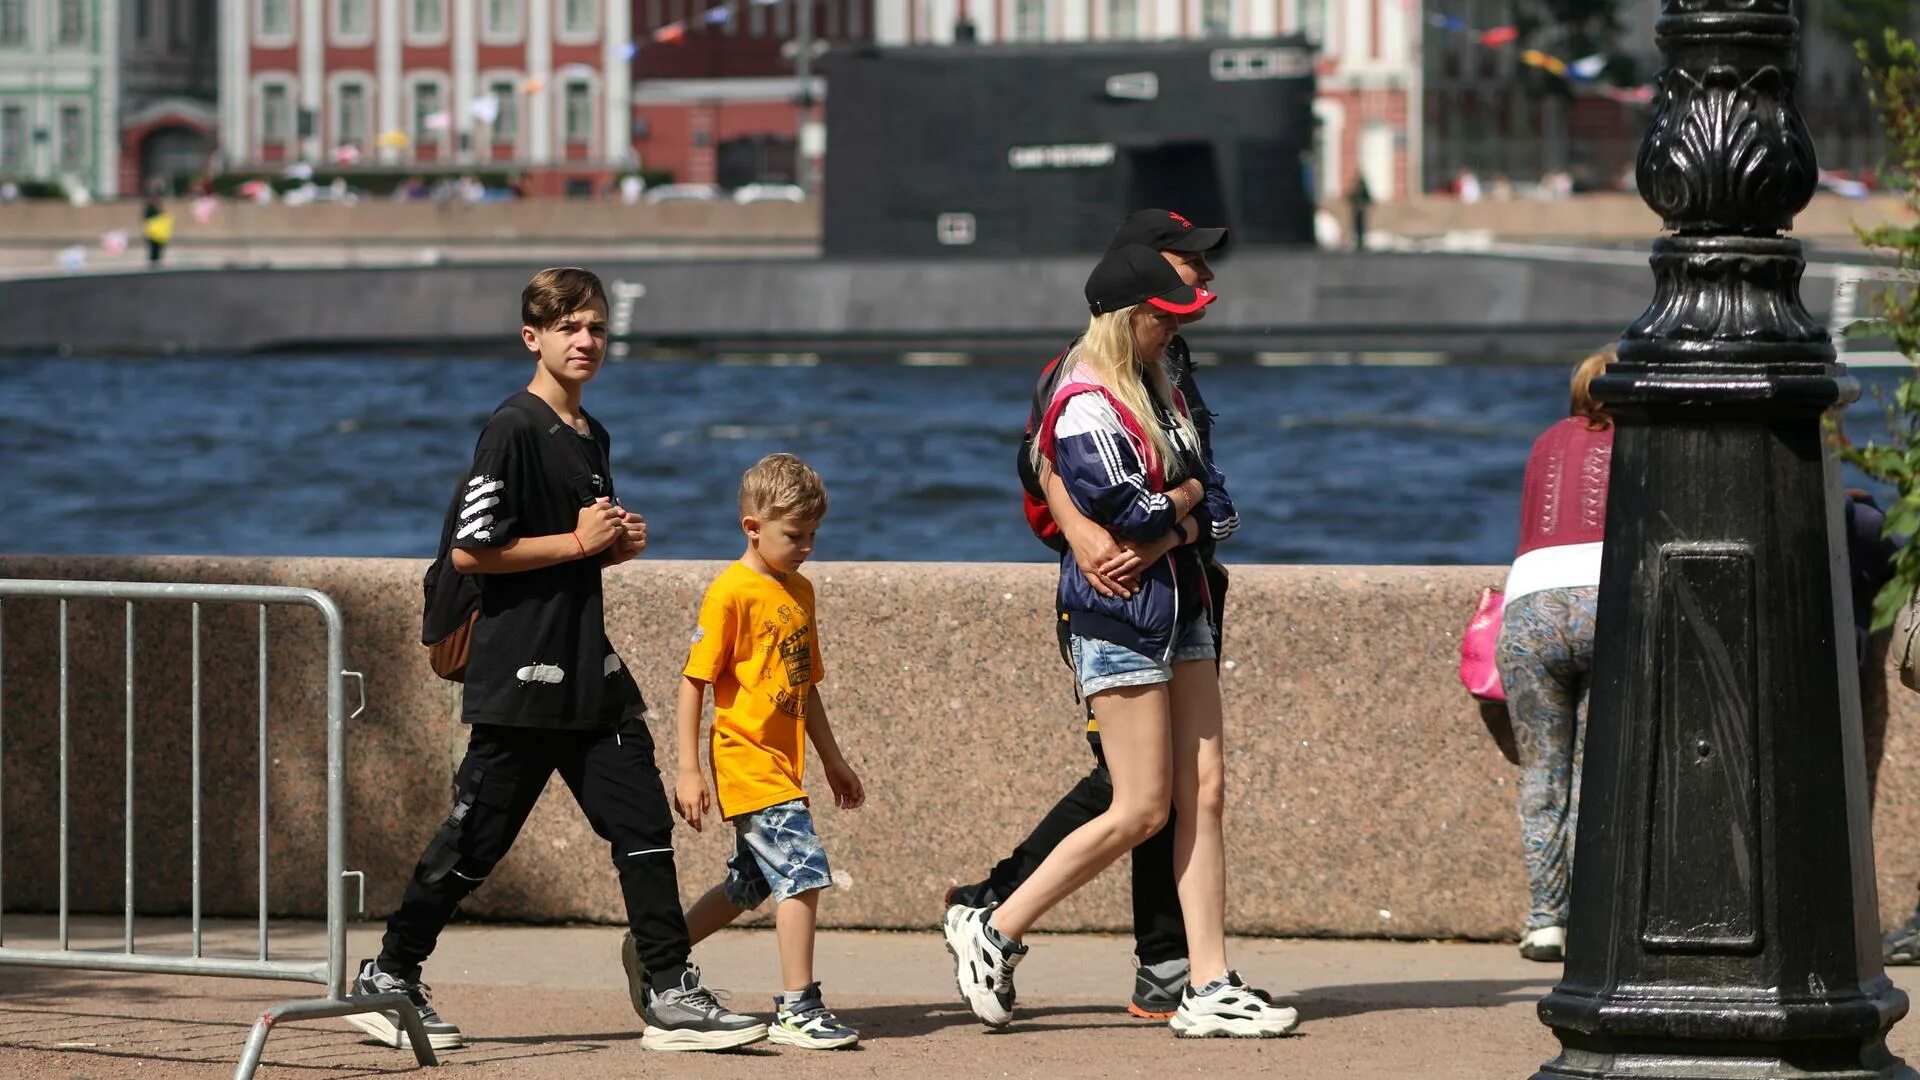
332,973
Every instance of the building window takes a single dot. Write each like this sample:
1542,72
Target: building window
579,119
428,17
276,18
13,22
1216,17
352,18
70,28
142,20
503,18
506,117
427,123
1029,20
73,138
275,115
13,139
350,122
579,17
1123,18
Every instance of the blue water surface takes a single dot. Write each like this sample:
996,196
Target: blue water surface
357,455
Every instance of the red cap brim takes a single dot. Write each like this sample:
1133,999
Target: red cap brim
1184,300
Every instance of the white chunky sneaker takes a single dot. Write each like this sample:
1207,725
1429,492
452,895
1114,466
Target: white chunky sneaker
1547,944
1229,1007
982,970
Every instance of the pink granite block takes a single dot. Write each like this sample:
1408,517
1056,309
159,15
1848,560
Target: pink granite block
1365,794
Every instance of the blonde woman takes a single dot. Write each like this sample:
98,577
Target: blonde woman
1119,438
1545,651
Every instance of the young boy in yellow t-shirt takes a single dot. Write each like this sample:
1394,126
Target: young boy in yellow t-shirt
757,646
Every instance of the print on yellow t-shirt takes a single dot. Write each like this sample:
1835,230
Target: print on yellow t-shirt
757,646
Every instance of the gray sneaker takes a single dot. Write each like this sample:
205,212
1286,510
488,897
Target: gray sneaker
386,1026
1901,946
690,1017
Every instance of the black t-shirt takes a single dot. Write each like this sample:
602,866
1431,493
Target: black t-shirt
540,656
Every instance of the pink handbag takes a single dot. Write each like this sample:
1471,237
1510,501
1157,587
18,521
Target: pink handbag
1477,671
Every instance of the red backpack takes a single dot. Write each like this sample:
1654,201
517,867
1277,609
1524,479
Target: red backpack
1033,497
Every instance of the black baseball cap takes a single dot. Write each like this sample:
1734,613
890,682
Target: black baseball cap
1135,274
1164,230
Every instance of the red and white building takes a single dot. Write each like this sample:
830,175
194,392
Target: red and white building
720,100
532,87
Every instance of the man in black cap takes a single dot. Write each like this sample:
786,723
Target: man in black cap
1160,938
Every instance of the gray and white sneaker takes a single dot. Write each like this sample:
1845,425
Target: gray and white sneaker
690,1017
803,1020
1228,1007
386,1026
982,969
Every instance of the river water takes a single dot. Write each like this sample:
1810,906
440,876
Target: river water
357,454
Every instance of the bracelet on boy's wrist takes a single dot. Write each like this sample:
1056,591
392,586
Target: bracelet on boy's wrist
577,543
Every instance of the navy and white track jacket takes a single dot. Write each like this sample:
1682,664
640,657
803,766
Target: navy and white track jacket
1103,458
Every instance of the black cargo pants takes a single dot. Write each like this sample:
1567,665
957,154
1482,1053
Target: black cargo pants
614,779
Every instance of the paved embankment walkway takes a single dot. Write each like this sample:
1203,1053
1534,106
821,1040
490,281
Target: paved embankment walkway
547,1002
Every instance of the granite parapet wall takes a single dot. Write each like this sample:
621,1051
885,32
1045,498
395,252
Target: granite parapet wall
1366,793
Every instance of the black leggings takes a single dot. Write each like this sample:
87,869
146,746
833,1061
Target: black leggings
617,784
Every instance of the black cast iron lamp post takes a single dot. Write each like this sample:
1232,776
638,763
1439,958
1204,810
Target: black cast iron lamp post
1724,924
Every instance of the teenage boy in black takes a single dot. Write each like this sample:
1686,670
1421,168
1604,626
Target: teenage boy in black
545,692
1160,937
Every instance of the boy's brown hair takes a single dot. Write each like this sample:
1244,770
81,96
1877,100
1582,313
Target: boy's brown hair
557,292
782,487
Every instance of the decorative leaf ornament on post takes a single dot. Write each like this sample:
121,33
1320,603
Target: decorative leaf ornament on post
1724,924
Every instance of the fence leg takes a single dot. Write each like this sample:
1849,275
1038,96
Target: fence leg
320,1009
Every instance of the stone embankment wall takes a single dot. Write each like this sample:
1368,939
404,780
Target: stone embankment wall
1366,794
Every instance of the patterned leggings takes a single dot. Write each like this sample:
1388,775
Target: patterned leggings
1545,658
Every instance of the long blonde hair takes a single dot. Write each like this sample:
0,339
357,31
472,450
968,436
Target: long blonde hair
1138,382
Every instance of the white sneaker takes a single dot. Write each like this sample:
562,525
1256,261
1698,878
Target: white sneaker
1548,943
1229,1007
981,969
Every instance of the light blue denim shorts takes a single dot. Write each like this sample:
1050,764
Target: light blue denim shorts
1102,665
775,853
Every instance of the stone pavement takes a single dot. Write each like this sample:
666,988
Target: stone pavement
547,1002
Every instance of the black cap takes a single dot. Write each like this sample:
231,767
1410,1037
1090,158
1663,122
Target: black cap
1133,274
1164,230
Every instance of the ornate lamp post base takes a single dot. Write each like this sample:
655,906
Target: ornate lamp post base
1724,921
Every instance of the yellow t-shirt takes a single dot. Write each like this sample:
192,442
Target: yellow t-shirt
757,645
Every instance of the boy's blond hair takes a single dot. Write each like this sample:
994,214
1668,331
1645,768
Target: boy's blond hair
782,487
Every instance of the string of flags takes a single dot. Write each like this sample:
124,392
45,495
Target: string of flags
675,32
1585,70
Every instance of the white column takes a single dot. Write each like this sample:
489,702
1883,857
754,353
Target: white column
941,15
1412,37
1263,18
539,111
466,60
616,82
313,29
1074,26
236,80
106,136
388,89
890,22
1166,19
